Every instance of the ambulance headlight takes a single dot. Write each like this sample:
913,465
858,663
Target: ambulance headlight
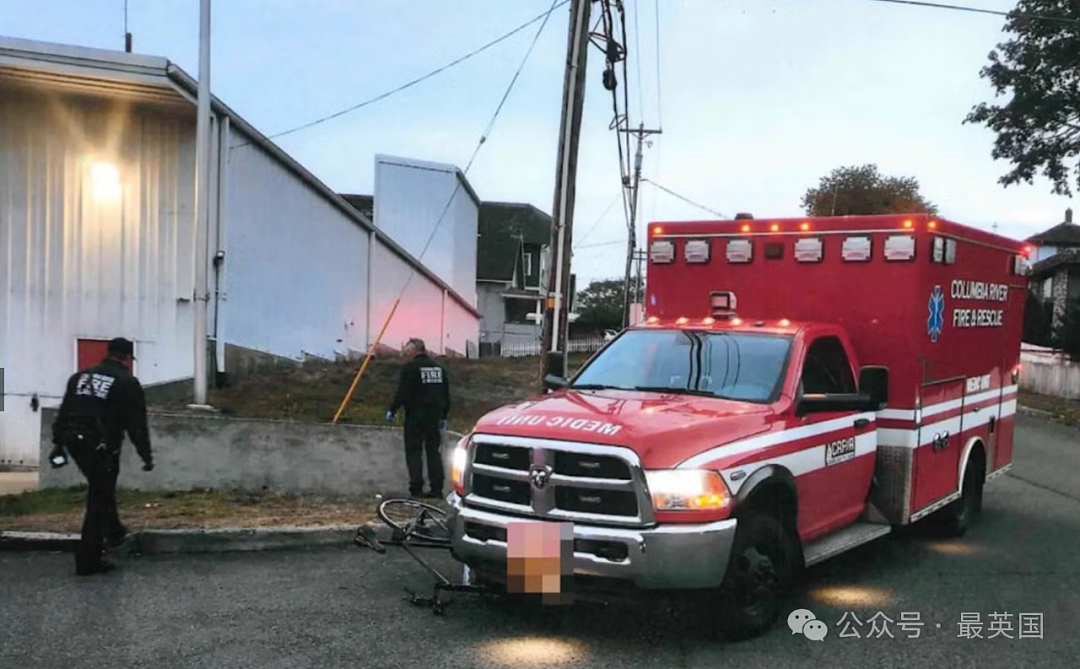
458,463
687,490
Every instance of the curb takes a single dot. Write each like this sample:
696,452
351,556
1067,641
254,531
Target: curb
173,542
38,541
1036,412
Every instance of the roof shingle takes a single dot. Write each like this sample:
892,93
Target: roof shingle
1065,233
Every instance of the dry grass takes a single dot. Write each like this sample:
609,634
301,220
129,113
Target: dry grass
314,392
1066,411
62,510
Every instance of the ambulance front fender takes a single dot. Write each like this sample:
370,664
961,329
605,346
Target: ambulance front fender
774,480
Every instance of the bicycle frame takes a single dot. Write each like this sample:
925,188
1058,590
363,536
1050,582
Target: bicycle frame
365,536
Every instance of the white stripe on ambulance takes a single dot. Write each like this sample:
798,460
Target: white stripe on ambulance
895,437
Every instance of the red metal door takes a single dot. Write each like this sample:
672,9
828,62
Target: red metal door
90,352
939,444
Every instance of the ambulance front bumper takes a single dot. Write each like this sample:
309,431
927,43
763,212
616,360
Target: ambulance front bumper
664,557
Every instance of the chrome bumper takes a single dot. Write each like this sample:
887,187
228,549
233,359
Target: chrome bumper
667,557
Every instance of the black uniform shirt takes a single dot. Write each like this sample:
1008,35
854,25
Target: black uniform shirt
109,395
424,389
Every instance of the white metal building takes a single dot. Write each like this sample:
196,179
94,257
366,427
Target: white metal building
433,212
97,155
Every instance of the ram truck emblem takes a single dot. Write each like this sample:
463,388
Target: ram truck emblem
539,475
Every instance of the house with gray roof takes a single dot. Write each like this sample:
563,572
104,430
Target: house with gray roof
511,273
1055,276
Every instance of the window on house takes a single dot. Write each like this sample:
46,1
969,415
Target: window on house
517,311
528,265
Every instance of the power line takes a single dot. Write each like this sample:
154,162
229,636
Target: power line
542,17
980,10
597,221
686,199
487,130
498,110
457,187
592,246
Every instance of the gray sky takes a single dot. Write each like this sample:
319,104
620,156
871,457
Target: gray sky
758,98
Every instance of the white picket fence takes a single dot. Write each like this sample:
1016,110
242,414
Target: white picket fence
523,349
1046,372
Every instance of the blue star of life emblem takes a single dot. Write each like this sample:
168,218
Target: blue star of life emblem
936,322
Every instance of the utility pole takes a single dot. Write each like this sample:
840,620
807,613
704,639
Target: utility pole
631,242
127,33
556,326
639,256
202,205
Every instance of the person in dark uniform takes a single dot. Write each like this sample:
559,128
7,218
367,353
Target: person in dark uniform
100,404
424,392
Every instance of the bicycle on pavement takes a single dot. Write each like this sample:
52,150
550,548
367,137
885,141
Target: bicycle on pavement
415,524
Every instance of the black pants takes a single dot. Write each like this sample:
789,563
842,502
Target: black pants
422,436
101,469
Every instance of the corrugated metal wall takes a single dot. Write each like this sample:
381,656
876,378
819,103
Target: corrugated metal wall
95,241
410,198
420,312
295,265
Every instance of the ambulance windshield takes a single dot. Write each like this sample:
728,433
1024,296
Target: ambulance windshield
747,367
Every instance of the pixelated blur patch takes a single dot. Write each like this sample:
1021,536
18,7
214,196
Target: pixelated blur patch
540,560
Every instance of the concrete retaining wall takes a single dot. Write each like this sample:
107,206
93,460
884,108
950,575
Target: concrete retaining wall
198,451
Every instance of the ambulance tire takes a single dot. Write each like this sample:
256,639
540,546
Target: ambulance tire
959,515
759,572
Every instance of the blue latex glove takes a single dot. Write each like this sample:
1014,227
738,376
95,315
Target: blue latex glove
442,425
389,416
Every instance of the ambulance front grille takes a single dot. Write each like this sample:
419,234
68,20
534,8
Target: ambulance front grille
558,481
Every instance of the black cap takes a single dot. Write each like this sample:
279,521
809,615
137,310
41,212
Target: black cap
121,346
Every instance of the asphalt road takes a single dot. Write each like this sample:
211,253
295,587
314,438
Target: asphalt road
343,607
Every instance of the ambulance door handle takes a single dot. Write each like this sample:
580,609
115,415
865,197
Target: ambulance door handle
860,423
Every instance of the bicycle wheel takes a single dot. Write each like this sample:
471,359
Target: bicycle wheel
416,519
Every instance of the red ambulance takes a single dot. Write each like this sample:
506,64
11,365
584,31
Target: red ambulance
799,387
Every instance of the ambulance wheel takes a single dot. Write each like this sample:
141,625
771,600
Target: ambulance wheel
758,574
960,515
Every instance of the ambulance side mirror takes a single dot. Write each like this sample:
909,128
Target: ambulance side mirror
874,386
554,382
